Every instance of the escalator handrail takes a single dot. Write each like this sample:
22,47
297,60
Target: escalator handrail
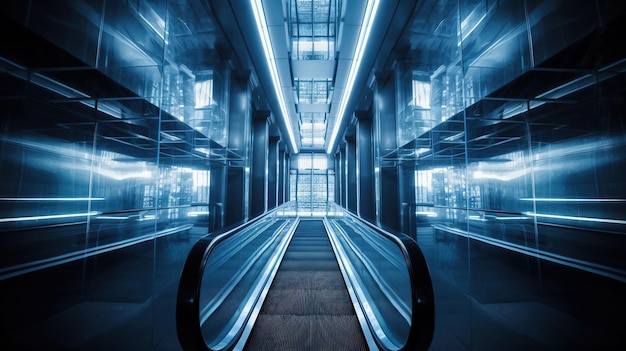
188,324
423,303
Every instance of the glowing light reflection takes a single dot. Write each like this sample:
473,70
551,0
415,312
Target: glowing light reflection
368,20
548,199
259,16
36,218
576,218
51,199
198,213
426,213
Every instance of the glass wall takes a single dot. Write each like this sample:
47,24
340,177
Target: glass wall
312,183
511,113
112,117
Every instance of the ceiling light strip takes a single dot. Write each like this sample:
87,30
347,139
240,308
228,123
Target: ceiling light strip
259,16
368,20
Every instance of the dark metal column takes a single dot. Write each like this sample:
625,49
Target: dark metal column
258,166
344,176
338,178
351,186
366,197
386,142
236,199
272,173
287,175
406,182
217,197
281,176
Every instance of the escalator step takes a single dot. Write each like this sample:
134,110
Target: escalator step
308,265
314,280
310,255
306,333
302,302
308,306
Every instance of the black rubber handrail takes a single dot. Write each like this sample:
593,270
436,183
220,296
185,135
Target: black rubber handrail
188,326
423,302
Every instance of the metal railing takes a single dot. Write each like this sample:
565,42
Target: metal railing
225,279
389,281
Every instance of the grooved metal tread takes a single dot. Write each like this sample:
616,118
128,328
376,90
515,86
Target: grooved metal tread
307,306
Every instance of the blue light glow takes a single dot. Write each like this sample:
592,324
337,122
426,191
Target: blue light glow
259,16
368,20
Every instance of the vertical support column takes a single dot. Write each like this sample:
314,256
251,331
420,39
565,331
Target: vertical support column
388,207
217,195
272,173
351,175
259,164
282,176
406,187
344,175
339,177
366,196
236,199
288,176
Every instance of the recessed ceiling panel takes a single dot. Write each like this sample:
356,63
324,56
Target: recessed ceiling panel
313,69
324,108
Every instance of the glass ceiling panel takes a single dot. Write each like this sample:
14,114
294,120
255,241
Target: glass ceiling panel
312,142
322,30
313,29
312,117
312,20
312,91
305,29
313,129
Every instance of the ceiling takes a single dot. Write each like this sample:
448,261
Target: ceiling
313,44
314,47
312,82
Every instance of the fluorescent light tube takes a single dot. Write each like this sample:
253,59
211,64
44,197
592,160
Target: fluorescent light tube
368,20
259,16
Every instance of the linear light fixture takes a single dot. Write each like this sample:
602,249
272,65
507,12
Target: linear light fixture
52,199
57,216
368,20
546,199
577,218
259,16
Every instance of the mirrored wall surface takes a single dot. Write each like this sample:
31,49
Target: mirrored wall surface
113,126
511,115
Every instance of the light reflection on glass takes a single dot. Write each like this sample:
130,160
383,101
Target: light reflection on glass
36,218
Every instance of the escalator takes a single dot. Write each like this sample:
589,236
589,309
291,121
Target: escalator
281,282
308,301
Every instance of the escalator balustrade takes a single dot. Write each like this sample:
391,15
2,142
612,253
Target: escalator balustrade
285,283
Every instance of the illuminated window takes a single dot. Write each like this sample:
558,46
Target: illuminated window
201,186
313,129
313,91
204,93
312,184
420,96
312,161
